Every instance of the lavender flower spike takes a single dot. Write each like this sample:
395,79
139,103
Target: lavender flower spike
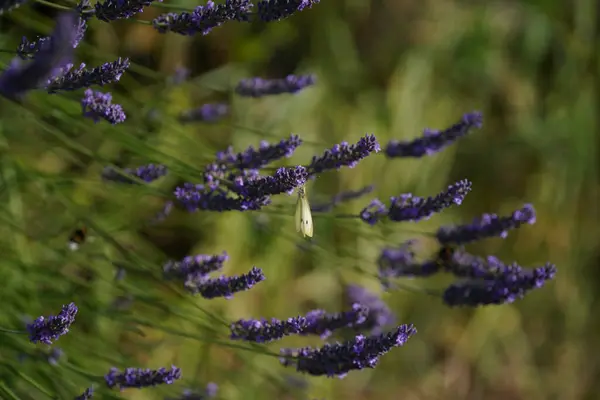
340,358
72,79
379,315
434,141
194,269
204,18
259,87
509,285
400,262
342,197
112,10
86,395
201,197
285,180
205,113
276,10
141,378
344,155
488,225
147,173
47,330
226,286
266,153
98,105
18,79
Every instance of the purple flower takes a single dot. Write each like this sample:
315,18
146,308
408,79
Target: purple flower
19,79
205,113
275,10
55,354
209,392
86,395
434,141
344,155
112,10
98,105
507,284
180,75
400,262
379,315
201,197
141,378
374,212
323,324
340,358
488,225
73,79
163,213
342,197
194,269
285,180
259,87
225,286
204,18
47,330
266,153
9,5
147,173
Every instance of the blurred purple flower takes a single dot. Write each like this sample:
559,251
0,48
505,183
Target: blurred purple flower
204,18
147,173
47,330
340,358
209,392
18,79
342,197
205,113
163,213
400,262
194,269
488,225
141,378
54,355
86,395
9,5
379,315
259,87
201,197
275,10
434,141
97,105
266,153
72,79
344,155
180,75
226,286
112,10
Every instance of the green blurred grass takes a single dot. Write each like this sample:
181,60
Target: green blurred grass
388,68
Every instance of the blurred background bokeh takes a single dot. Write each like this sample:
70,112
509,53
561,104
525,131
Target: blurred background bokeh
388,67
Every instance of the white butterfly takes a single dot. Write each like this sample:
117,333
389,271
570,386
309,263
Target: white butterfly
304,221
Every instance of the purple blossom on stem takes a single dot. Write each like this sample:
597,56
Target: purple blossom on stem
342,197
400,262
434,141
344,155
260,87
204,18
18,79
205,113
72,79
203,197
285,180
374,212
98,105
266,153
488,225
275,10
141,378
340,358
147,173
227,286
86,395
163,213
112,10
509,283
323,324
194,269
379,315
47,330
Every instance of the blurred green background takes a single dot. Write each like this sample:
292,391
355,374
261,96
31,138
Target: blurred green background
390,68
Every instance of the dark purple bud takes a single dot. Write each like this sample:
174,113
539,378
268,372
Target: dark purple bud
511,283
112,10
86,395
276,10
194,269
374,212
285,180
434,141
141,378
227,286
205,113
486,226
147,173
266,153
340,358
379,316
47,330
344,155
259,87
201,197
323,324
72,79
204,18
98,105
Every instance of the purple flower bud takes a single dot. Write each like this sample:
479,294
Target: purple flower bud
204,18
266,153
285,180
205,113
379,315
194,269
201,197
341,198
47,330
259,87
434,141
98,105
112,10
276,10
340,358
510,283
344,155
86,395
162,214
147,173
488,225
226,286
141,378
400,262
374,212
73,79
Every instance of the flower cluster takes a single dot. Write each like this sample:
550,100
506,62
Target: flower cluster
141,378
47,330
70,78
147,173
259,87
205,113
97,105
